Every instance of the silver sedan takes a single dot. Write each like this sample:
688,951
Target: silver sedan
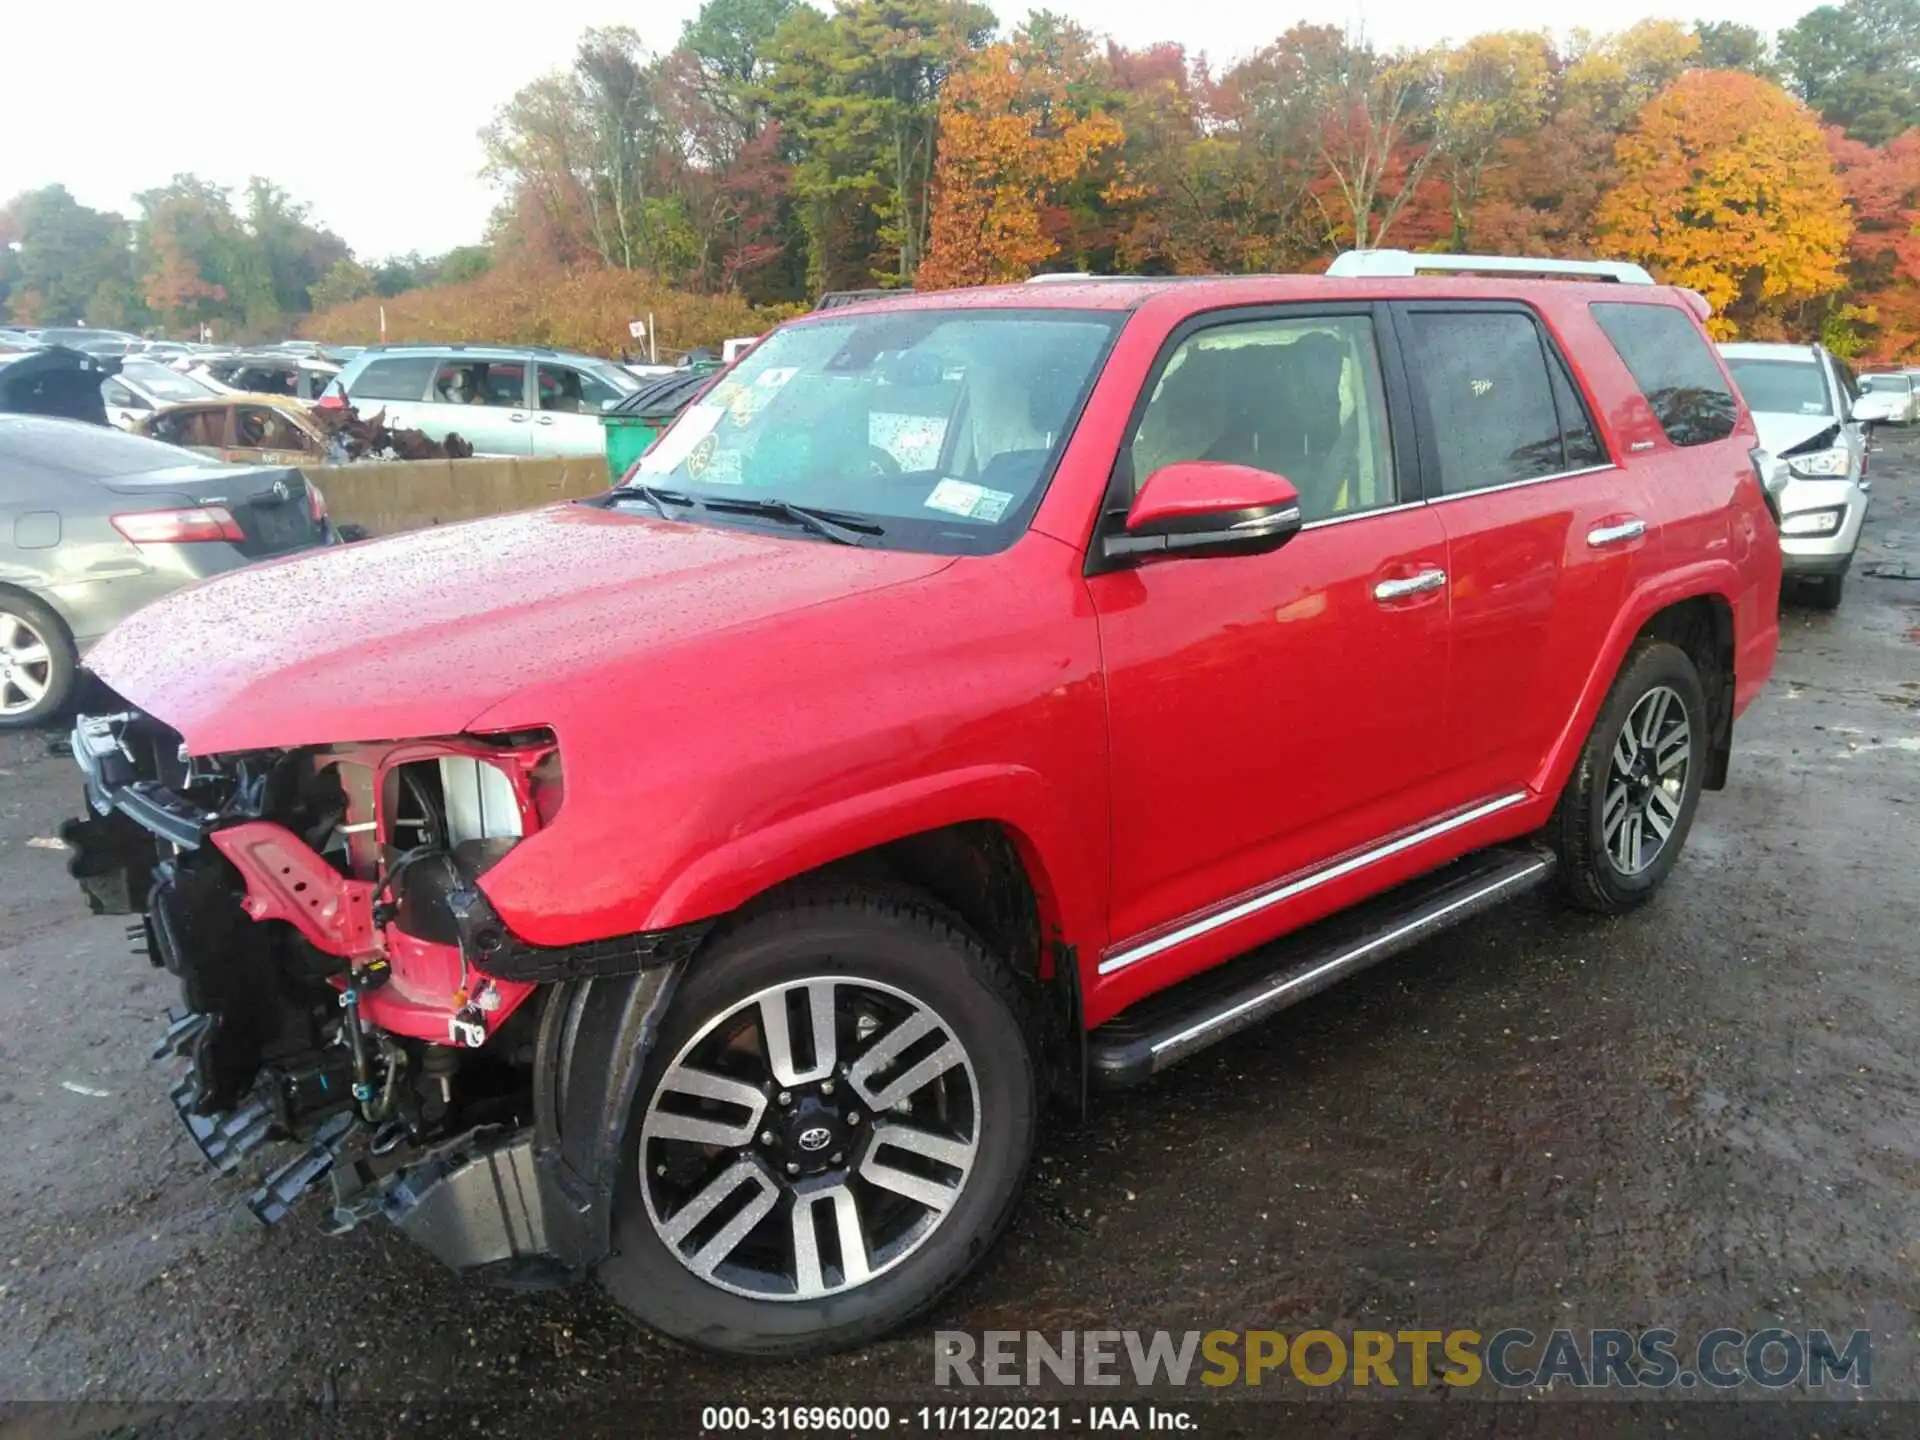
95,523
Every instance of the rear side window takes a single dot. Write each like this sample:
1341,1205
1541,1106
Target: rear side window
404,377
1671,364
1499,404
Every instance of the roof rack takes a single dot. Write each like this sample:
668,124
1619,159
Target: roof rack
457,345
1369,264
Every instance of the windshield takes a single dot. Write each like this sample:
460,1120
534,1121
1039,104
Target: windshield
1781,387
938,426
163,382
1895,384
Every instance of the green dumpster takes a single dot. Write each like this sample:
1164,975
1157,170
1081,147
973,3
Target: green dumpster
631,426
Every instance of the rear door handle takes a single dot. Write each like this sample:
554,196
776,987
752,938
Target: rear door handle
1618,533
1387,591
545,420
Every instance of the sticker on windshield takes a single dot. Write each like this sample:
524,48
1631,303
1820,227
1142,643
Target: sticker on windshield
1813,407
693,426
974,502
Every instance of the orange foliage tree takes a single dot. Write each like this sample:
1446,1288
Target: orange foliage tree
1009,142
1725,186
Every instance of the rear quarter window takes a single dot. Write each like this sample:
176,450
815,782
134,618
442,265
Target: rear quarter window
1669,360
400,377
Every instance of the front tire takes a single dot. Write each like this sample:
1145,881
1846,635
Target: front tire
830,1131
1824,591
1626,811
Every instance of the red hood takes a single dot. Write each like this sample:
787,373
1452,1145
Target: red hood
420,634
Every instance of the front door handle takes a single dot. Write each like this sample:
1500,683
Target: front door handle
519,417
1387,591
1619,533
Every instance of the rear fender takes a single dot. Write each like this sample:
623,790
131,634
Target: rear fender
1719,579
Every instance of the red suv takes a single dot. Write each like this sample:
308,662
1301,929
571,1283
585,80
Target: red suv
704,887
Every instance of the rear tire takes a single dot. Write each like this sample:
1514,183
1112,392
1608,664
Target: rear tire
883,964
1626,811
38,662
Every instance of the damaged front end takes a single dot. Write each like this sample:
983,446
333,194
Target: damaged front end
347,983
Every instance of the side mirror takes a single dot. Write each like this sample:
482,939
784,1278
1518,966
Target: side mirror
1205,507
1875,407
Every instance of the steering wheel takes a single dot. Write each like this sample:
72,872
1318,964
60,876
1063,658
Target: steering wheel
882,463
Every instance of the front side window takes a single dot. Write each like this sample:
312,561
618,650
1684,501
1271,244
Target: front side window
1498,402
260,428
568,389
1668,358
938,427
1298,397
1782,387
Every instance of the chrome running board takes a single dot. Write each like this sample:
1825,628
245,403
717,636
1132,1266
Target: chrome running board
1188,1017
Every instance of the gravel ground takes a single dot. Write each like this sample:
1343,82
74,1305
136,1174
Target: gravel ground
1703,1114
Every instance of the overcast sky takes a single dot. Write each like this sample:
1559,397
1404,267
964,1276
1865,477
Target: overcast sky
368,113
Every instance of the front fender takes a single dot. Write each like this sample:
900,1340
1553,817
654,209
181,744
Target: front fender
1015,796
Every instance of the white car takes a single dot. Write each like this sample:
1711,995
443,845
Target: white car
1814,424
1901,385
144,386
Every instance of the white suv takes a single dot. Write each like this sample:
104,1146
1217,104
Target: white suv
1811,420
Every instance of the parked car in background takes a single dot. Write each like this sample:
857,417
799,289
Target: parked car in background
505,400
1804,407
87,338
19,338
299,377
95,523
972,698
56,380
1901,387
242,429
142,386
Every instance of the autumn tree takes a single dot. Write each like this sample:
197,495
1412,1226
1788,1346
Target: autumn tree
1497,89
1009,139
1372,110
858,93
1725,187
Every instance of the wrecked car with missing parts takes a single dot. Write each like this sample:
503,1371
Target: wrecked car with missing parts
971,700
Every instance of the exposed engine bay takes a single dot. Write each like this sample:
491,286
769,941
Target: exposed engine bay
347,984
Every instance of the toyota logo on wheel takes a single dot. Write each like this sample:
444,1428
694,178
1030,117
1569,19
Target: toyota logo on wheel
818,1137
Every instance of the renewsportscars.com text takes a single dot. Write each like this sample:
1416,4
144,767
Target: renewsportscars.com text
1658,1359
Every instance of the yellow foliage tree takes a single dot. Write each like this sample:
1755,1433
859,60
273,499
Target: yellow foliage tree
1009,140
1725,186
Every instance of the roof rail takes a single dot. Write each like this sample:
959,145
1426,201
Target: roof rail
1364,264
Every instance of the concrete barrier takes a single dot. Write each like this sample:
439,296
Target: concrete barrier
392,495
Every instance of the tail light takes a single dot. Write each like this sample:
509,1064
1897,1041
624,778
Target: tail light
316,504
179,527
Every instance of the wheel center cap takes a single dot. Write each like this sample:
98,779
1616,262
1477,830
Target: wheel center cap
813,1135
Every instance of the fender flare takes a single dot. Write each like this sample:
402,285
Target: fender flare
1716,579
1014,796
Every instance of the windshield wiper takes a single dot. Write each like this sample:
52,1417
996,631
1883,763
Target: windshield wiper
842,529
659,499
